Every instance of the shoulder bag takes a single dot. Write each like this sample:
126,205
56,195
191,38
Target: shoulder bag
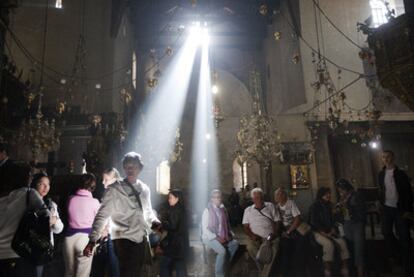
148,253
32,237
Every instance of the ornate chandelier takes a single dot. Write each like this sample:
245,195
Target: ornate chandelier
175,154
40,135
258,139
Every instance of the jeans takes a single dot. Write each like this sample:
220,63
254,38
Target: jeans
393,217
223,252
130,257
168,264
355,235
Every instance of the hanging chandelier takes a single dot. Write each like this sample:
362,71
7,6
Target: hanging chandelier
38,133
257,137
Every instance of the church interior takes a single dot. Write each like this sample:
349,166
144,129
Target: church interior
232,95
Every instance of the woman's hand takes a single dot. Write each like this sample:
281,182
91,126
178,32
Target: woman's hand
221,240
53,220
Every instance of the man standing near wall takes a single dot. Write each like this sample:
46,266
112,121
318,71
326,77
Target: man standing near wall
397,202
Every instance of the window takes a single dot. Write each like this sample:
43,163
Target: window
244,173
381,8
59,4
239,175
379,12
163,178
134,70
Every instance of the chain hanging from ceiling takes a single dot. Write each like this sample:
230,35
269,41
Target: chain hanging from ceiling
40,135
330,106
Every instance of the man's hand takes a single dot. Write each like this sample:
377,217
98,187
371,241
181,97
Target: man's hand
254,237
271,237
156,225
221,240
285,235
88,251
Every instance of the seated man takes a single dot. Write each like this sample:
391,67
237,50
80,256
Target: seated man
290,244
216,232
322,222
260,222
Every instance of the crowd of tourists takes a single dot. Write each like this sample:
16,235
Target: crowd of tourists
119,233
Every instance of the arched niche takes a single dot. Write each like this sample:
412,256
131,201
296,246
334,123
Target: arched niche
235,101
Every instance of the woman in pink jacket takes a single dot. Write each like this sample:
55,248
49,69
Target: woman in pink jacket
82,208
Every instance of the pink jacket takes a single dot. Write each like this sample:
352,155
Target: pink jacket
82,208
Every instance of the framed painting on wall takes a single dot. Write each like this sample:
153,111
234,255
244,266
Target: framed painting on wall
299,175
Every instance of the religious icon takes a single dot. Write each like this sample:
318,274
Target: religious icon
299,175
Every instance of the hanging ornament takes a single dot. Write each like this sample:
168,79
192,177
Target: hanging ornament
296,58
30,97
263,9
61,107
332,123
169,51
126,96
157,73
152,53
277,35
152,82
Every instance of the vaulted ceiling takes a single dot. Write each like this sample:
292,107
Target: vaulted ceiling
230,22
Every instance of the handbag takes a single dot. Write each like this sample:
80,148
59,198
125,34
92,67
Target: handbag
32,237
303,228
265,253
102,248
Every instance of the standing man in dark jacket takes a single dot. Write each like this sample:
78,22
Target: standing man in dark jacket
397,201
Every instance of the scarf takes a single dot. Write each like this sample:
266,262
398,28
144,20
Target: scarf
213,222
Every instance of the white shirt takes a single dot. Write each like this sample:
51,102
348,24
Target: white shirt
57,228
259,224
288,212
391,194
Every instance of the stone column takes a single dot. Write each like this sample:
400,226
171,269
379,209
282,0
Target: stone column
323,161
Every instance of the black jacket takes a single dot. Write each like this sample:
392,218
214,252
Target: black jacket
402,183
321,216
176,244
